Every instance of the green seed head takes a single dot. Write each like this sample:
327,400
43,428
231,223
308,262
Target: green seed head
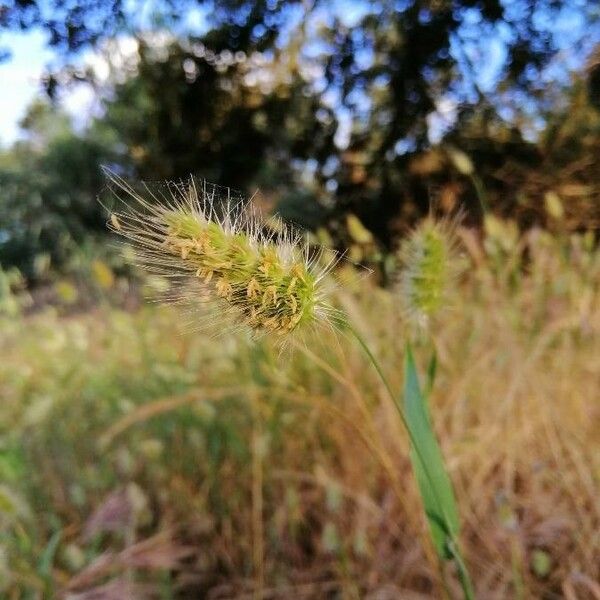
269,284
428,269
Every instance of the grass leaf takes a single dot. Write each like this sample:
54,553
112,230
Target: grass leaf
428,463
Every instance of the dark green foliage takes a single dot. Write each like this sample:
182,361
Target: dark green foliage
48,198
208,121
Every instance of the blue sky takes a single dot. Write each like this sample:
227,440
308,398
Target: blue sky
29,57
19,77
20,74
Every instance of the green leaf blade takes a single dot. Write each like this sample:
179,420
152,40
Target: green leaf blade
428,464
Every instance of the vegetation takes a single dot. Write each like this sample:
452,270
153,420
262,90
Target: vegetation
273,283
138,456
141,458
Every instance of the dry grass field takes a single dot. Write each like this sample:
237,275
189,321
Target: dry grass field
140,459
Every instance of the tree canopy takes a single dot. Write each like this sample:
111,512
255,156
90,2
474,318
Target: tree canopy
370,109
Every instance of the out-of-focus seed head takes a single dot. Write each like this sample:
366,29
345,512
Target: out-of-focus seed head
429,266
270,282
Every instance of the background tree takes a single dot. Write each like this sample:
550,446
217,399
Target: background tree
402,62
49,185
335,110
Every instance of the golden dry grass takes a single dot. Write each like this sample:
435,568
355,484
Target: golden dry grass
144,458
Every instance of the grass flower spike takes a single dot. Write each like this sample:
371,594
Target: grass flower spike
429,267
268,280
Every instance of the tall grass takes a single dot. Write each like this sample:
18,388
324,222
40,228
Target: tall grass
141,457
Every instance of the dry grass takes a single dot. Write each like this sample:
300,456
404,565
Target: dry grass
140,460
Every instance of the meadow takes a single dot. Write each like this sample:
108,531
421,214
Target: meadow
140,458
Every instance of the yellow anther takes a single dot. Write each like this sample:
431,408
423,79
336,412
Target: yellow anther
270,291
224,289
253,288
115,222
293,304
185,251
298,271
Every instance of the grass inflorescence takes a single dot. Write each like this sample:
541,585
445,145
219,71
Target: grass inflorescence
270,281
429,267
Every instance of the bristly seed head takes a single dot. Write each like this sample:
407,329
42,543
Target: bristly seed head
429,266
269,282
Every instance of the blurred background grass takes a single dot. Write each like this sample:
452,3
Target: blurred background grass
137,451
140,459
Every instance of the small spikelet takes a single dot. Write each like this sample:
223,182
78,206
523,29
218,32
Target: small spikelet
269,282
429,266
